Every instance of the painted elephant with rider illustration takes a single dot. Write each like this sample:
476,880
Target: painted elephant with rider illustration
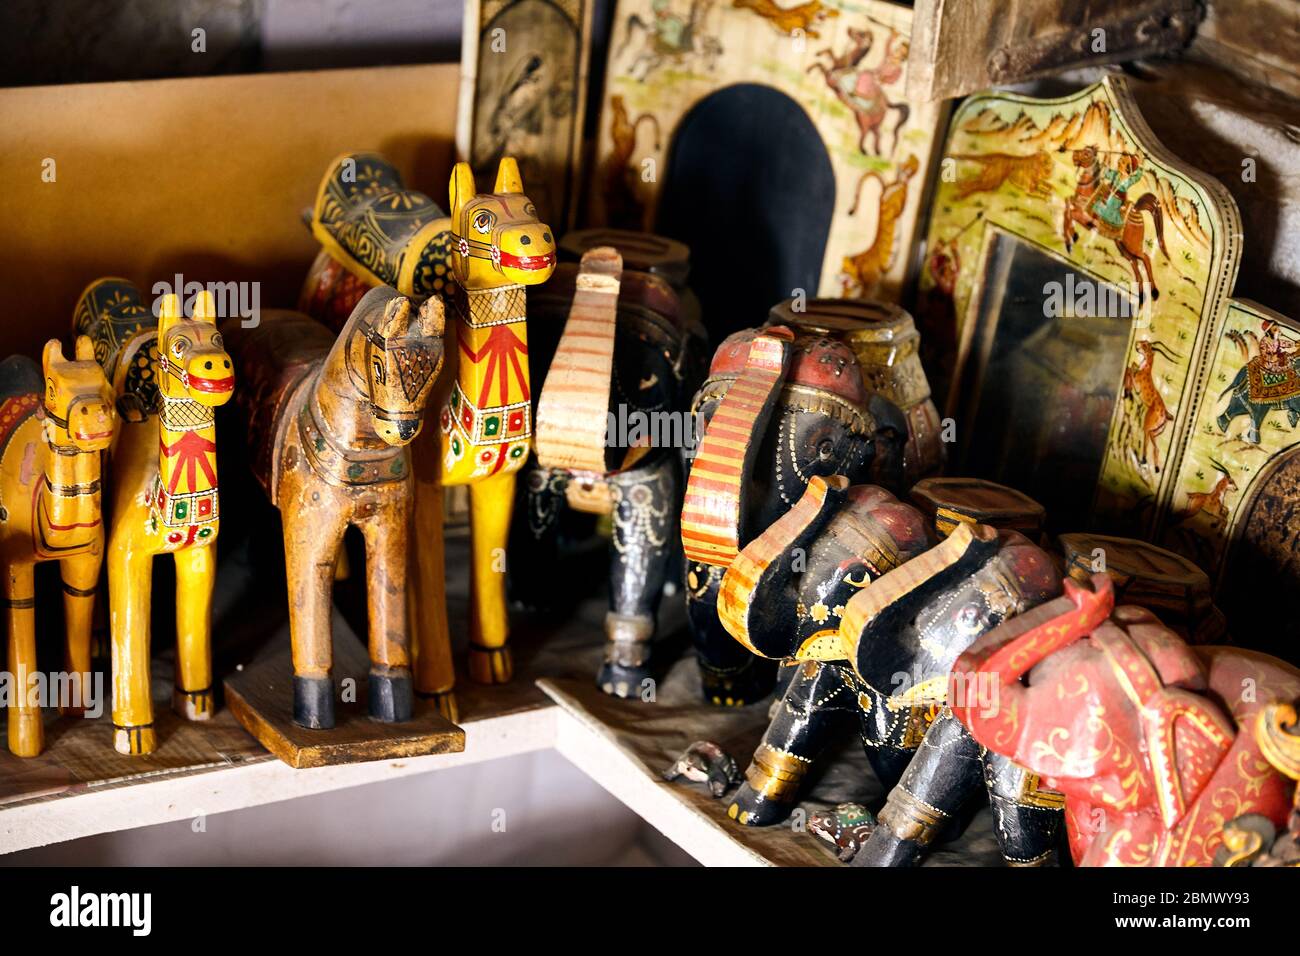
778,409
1151,741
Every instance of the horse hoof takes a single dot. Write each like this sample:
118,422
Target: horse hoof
313,702
444,701
134,741
392,697
26,732
490,665
193,704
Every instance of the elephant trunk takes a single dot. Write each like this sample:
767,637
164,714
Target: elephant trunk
712,510
757,597
984,689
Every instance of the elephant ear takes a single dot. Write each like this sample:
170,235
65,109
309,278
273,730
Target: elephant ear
893,600
712,511
758,583
1187,738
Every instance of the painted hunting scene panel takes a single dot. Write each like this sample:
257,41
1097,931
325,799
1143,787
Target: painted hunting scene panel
1149,240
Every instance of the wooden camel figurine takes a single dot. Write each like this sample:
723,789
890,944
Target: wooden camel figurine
169,378
51,436
329,421
480,258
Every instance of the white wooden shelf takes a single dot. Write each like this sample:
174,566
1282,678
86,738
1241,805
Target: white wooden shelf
253,783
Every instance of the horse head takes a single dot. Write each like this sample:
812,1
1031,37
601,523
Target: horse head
403,355
193,362
78,400
498,239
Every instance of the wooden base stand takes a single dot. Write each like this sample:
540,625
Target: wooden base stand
260,695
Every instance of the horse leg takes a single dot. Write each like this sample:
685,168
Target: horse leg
1146,261
1137,274
80,577
645,525
310,554
130,584
435,670
491,501
26,735
196,572
391,698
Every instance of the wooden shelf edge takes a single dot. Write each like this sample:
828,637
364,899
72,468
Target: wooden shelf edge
224,789
600,758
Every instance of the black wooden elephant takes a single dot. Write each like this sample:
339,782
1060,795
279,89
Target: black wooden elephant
779,409
887,664
1250,383
611,420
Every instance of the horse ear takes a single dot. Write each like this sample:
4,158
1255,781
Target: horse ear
85,349
461,189
397,317
169,310
53,355
432,318
205,308
508,178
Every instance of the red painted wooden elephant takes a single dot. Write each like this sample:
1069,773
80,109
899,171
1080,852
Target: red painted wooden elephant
1136,728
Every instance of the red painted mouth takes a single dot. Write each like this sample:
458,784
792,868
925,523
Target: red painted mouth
212,384
92,436
527,263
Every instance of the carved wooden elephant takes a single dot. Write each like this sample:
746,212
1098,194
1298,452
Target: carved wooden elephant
1150,740
779,409
611,421
887,663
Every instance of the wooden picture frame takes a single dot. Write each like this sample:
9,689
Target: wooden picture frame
1012,173
843,68
523,93
1236,510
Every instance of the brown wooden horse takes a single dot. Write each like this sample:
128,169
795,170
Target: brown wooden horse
329,422
1130,238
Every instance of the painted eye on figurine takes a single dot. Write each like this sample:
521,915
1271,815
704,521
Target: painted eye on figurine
379,371
530,210
968,619
483,221
181,345
825,449
217,341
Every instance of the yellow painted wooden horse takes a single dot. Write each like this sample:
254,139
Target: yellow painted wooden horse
54,422
480,259
169,377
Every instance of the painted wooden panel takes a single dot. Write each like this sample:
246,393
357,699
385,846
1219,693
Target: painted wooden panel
1079,188
843,64
1245,430
523,90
